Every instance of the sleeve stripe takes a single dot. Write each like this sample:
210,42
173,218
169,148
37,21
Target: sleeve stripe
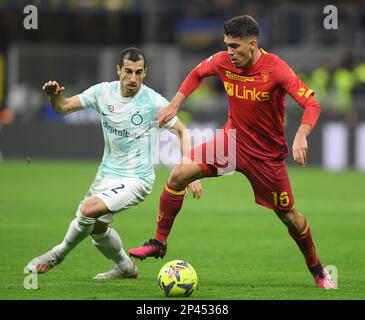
308,93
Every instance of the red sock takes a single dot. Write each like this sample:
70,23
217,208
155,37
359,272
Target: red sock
171,201
306,245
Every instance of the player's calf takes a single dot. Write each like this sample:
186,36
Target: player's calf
293,219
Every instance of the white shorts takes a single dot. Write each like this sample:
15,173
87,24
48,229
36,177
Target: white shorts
117,194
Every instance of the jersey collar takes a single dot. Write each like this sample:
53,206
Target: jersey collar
128,99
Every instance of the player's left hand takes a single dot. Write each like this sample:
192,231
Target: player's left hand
300,147
196,188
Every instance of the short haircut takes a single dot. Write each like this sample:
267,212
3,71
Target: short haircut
133,54
241,27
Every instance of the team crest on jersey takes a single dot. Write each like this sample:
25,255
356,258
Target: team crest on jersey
265,76
110,108
137,119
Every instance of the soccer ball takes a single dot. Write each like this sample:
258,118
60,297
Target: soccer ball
177,278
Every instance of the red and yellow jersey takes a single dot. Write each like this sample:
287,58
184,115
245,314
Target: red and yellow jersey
256,98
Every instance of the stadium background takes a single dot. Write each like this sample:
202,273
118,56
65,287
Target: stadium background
78,43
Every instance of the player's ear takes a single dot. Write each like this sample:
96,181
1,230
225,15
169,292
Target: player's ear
253,43
119,70
145,71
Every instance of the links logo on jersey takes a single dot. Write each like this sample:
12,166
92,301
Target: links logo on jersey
137,119
110,108
234,90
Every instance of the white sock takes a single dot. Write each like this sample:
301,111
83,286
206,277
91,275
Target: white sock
78,230
110,245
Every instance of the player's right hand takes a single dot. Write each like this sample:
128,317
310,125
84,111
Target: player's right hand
52,88
166,114
300,148
196,188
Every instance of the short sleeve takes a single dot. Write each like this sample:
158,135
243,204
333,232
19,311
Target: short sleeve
89,98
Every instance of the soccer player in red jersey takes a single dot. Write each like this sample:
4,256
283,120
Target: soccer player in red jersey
256,83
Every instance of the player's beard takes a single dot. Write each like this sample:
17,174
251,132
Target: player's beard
132,89
241,60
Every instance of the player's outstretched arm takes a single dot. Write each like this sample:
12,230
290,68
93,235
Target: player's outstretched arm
300,145
60,104
166,114
184,136
206,68
185,146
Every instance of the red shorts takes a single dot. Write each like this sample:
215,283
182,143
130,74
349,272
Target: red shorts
269,179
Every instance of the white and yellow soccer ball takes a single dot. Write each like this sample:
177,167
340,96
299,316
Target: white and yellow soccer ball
177,278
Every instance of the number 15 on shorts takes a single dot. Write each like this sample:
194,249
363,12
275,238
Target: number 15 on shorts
281,199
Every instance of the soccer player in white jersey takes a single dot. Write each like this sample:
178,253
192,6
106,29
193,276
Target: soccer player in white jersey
128,111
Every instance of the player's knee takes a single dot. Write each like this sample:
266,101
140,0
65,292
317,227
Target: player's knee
292,218
90,208
178,178
287,217
87,210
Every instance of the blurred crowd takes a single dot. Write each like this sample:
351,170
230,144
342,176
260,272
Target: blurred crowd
174,21
192,26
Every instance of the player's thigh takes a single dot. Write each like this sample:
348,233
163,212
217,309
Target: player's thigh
215,157
270,183
116,194
124,194
93,207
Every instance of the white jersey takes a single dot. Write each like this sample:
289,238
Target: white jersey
129,127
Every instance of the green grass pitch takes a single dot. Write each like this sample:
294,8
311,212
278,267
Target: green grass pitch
239,249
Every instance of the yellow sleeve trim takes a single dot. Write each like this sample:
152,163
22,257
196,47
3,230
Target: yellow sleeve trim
308,93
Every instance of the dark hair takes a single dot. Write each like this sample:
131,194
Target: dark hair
133,54
241,27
